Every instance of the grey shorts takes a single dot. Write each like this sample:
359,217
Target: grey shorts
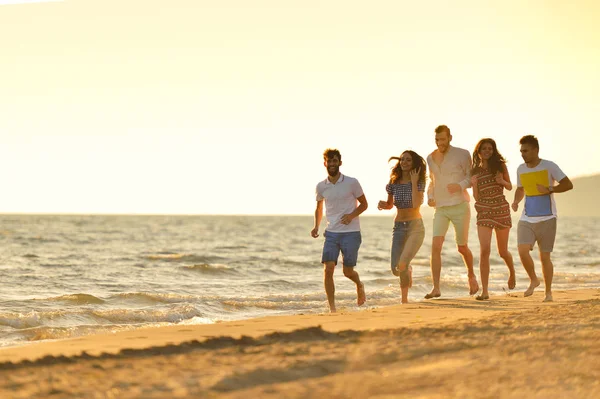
543,233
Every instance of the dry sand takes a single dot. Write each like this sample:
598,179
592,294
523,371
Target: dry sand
508,347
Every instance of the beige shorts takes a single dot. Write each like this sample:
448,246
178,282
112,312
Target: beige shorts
459,215
544,233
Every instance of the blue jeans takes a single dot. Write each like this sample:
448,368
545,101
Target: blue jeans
348,243
407,238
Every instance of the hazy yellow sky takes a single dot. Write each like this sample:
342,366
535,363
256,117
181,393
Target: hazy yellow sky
191,106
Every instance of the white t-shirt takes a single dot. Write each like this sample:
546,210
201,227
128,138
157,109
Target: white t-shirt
538,207
340,199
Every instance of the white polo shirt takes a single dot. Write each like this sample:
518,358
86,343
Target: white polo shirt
340,199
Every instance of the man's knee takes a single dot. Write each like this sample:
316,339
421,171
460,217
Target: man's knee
349,271
463,249
329,268
437,244
545,257
524,249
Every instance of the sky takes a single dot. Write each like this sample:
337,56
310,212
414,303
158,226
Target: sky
205,107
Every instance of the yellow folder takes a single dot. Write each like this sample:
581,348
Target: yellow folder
532,179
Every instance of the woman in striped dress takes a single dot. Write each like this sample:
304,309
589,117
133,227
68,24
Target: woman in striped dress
489,179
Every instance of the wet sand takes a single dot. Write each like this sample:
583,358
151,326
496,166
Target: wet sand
508,347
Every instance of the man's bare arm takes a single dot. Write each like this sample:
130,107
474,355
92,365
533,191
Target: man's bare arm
519,194
362,206
318,217
564,185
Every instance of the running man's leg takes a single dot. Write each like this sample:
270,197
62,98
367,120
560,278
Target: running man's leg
546,232
328,269
350,243
548,271
526,240
440,227
460,216
331,252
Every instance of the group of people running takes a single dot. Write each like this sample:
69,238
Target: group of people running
451,171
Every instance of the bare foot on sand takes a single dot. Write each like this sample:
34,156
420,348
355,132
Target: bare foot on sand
433,294
361,297
482,297
548,298
331,309
512,281
473,286
532,286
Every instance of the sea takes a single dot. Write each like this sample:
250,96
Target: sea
65,276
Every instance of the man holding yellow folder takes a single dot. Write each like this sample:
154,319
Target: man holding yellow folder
536,180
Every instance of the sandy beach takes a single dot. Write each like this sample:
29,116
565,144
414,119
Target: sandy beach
508,347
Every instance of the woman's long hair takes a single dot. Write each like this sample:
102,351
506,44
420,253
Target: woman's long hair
418,162
495,163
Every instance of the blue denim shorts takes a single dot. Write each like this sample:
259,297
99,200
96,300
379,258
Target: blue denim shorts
348,243
407,238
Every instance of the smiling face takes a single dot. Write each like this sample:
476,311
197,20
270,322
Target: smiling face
442,140
486,151
333,165
406,162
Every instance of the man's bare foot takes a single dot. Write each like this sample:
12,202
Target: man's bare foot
361,297
482,297
532,286
548,298
433,294
512,281
473,285
332,309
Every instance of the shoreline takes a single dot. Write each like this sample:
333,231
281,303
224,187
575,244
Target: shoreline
509,346
423,313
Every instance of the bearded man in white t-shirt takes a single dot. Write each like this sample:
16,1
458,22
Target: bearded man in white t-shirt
344,202
536,180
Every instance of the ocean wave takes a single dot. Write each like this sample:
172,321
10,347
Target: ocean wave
30,319
576,278
294,263
71,318
76,299
278,284
182,257
149,315
147,297
230,247
46,332
210,269
375,258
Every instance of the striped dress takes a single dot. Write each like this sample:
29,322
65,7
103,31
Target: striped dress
492,208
